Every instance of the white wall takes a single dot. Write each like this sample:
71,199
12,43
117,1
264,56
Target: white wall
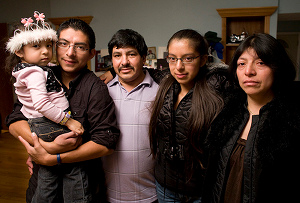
289,6
14,10
156,20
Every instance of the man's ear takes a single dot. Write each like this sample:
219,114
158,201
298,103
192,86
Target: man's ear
92,53
144,59
20,53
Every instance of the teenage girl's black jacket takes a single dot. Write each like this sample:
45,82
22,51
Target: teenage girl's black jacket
271,168
172,169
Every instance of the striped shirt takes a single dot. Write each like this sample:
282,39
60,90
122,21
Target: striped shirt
129,170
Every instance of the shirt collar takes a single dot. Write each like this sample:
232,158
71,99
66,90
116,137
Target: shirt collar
74,83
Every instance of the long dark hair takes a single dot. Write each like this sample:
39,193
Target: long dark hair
206,103
273,54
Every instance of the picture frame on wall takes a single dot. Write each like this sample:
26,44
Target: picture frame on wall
98,61
151,54
162,53
152,63
102,63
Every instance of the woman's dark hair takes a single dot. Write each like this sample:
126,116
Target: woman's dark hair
272,53
128,38
206,103
82,26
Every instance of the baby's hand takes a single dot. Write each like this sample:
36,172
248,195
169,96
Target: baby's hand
75,126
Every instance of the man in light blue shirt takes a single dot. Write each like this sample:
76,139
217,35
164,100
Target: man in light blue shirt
129,170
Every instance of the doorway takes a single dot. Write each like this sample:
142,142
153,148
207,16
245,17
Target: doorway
288,32
6,90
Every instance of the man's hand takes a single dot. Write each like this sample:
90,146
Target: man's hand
106,77
87,151
63,143
37,153
29,165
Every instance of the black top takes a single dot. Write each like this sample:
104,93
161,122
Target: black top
270,155
175,169
233,189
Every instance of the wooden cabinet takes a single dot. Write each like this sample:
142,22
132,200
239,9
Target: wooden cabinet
237,20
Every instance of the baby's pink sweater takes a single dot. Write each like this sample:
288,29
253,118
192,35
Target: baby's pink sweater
30,87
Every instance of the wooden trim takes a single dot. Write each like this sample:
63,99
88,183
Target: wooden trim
267,24
224,37
243,12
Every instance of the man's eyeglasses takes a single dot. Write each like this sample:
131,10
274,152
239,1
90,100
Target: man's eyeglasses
79,48
186,59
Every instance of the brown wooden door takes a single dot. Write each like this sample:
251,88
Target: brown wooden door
6,90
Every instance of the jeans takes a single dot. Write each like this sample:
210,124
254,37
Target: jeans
166,195
46,129
73,179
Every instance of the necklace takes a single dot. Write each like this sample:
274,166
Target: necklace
249,110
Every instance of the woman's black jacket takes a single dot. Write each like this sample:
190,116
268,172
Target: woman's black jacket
172,169
271,168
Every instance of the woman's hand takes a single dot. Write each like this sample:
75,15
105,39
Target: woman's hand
37,153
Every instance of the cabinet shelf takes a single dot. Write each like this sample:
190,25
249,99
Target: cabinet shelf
232,44
237,20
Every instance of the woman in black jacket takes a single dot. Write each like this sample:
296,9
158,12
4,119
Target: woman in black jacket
253,142
183,110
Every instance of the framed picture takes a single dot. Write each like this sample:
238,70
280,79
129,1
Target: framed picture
151,54
102,63
152,63
162,53
98,61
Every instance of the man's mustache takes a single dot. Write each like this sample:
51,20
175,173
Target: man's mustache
127,67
